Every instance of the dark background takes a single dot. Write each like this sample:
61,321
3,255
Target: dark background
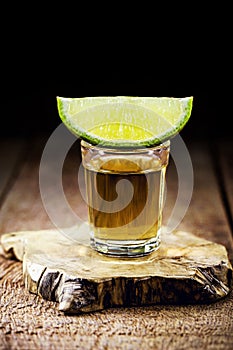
78,52
118,53
29,100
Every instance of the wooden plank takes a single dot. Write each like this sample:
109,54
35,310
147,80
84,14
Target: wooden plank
23,201
24,207
225,170
11,153
206,215
29,322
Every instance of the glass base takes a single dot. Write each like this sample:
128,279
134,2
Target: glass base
125,248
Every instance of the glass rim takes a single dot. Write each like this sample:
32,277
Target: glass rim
124,149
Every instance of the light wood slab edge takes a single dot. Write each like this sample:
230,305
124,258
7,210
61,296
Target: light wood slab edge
60,265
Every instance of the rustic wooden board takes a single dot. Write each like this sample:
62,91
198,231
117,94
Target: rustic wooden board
31,322
225,172
186,269
23,208
11,153
206,216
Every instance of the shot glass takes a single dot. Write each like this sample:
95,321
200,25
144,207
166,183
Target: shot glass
125,196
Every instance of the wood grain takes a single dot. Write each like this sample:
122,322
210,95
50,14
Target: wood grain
185,269
12,152
225,173
206,215
30,322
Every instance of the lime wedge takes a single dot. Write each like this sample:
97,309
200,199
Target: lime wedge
122,121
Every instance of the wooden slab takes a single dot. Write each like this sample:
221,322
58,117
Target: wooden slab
185,269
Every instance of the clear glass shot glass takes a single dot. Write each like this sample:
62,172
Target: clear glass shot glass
125,195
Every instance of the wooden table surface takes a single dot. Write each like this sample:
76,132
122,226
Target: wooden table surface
29,322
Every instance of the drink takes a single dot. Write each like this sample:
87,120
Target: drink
125,192
124,219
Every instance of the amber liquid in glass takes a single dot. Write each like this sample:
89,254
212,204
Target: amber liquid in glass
140,219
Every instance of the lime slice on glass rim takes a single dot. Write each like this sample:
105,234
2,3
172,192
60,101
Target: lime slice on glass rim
125,121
